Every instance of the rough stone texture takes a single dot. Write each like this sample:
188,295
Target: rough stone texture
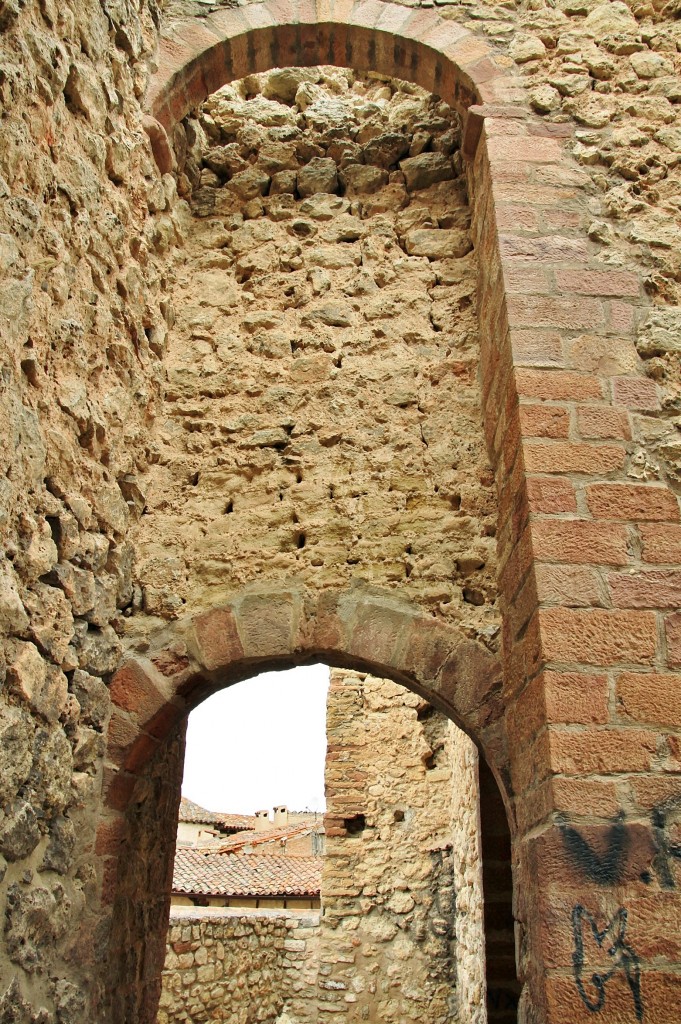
401,931
401,888
240,966
321,412
86,219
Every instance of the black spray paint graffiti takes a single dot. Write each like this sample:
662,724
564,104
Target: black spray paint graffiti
622,956
607,868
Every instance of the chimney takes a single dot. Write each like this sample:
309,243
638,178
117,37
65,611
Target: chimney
281,815
262,821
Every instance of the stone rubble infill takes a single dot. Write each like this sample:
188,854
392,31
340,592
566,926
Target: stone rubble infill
322,401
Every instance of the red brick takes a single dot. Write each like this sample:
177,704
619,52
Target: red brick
603,422
557,385
527,280
598,637
544,420
575,698
603,356
661,544
654,588
620,317
575,540
650,790
141,752
650,698
554,311
536,348
572,586
585,796
110,834
557,219
548,249
602,751
598,282
550,496
672,625
589,459
646,913
633,502
636,393
661,993
520,149
118,788
516,216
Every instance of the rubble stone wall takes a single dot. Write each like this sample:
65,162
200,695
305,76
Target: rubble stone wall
585,195
322,412
86,225
243,967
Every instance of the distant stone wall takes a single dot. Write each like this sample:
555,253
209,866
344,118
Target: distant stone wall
240,966
402,857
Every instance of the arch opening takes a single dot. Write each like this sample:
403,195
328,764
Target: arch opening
447,877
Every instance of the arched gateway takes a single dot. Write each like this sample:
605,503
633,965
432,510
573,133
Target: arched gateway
582,761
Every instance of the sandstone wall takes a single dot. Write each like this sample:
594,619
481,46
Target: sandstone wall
401,888
243,967
321,417
86,224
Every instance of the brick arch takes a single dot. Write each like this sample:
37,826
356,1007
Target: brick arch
200,55
260,629
274,627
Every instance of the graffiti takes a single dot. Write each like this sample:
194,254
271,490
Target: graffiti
622,958
607,868
604,870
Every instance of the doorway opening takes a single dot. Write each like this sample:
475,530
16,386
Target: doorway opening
369,907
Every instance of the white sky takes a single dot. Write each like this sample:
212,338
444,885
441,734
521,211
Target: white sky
260,743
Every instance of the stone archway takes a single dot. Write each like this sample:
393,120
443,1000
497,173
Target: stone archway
264,627
575,630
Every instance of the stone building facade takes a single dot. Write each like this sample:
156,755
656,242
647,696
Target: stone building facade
569,373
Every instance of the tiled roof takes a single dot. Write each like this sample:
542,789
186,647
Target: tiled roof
207,873
196,815
277,834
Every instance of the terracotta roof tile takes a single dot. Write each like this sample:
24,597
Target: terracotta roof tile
274,834
207,873
196,815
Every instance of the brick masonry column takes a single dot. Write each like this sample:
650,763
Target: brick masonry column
590,583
